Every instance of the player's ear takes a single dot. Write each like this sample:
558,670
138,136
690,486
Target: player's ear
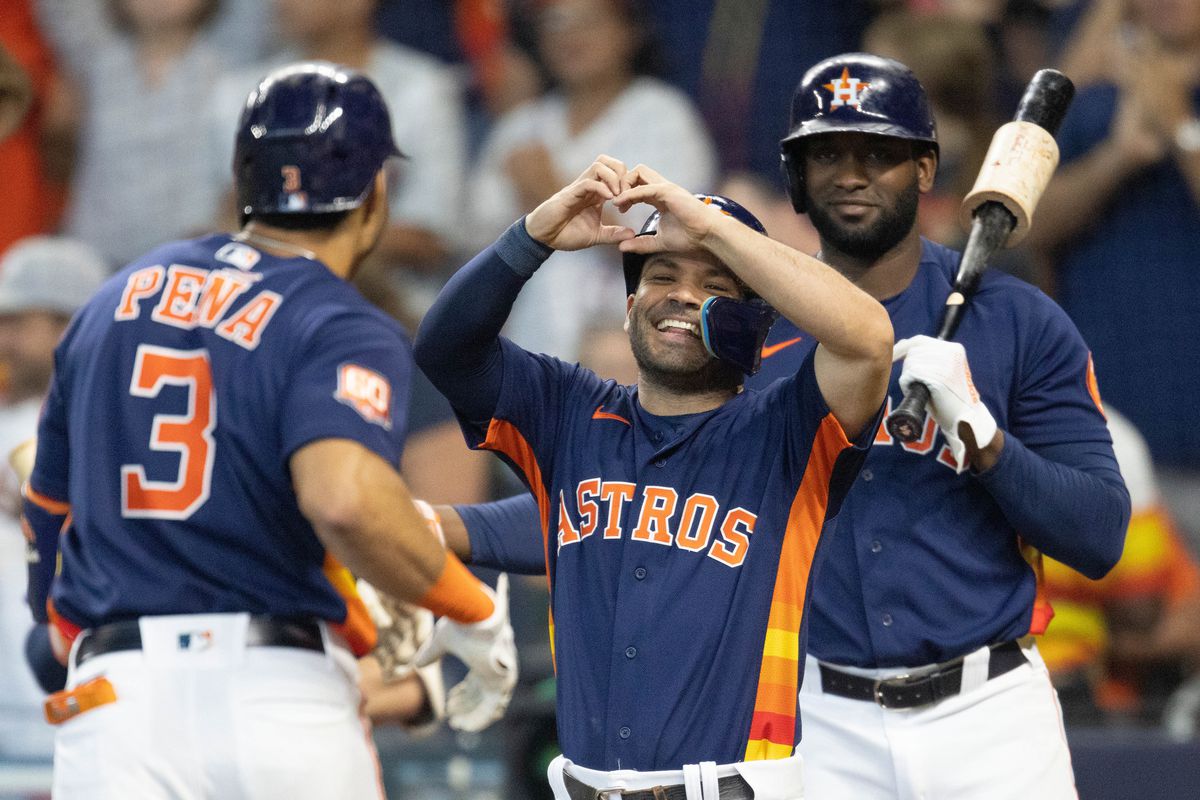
378,198
628,309
927,164
375,209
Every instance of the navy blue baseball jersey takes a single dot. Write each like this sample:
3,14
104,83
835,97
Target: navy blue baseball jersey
180,392
678,552
925,565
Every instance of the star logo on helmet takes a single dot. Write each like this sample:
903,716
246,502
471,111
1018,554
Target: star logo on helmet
846,91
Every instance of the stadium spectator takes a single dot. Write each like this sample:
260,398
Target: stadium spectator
28,83
42,281
1118,647
143,70
425,100
602,58
1120,224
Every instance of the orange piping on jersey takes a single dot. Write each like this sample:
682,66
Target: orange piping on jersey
1093,387
773,726
357,628
503,437
1043,612
68,629
48,504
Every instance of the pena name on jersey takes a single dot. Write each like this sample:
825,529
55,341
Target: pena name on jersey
180,392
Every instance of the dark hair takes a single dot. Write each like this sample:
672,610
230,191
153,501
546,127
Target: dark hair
299,222
649,58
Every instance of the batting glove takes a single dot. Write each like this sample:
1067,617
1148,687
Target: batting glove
953,400
402,629
490,654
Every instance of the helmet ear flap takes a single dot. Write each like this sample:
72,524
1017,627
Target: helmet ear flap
791,162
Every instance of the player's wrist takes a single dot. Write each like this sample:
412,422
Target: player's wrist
984,459
459,595
521,250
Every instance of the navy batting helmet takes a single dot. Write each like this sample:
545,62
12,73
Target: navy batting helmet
311,139
633,262
854,92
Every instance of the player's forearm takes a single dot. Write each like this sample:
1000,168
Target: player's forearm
848,322
42,518
504,535
1069,501
363,514
457,345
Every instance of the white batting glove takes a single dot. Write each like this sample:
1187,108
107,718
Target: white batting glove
953,400
488,650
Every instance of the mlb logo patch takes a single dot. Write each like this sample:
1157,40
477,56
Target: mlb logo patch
195,641
367,392
239,255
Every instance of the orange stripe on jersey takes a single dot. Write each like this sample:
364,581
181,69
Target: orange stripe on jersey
357,628
1043,612
773,726
503,437
48,504
68,629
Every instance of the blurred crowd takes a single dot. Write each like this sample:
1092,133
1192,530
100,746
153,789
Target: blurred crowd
116,134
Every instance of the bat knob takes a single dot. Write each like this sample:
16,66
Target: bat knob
908,420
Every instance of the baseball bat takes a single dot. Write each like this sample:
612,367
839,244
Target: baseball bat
998,210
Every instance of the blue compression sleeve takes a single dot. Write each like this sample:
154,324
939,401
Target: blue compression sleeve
506,535
457,345
1067,500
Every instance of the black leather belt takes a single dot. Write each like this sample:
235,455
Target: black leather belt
732,787
263,631
904,691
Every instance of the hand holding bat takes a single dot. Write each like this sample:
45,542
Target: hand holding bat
999,211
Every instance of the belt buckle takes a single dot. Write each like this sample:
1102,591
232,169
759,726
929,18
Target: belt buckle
877,688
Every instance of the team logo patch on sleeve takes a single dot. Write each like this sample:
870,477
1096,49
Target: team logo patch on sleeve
367,392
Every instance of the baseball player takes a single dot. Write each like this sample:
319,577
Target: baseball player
681,516
219,450
922,681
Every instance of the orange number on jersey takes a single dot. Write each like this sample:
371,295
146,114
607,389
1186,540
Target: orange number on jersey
188,434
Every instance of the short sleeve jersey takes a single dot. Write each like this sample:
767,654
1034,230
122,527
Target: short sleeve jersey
924,566
180,392
678,553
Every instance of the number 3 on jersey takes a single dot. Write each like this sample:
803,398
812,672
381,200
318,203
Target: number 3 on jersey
188,434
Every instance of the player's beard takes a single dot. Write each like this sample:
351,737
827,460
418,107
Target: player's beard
694,372
870,243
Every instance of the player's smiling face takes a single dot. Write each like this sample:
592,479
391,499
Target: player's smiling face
663,320
862,190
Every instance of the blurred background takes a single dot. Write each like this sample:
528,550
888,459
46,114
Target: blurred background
116,134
